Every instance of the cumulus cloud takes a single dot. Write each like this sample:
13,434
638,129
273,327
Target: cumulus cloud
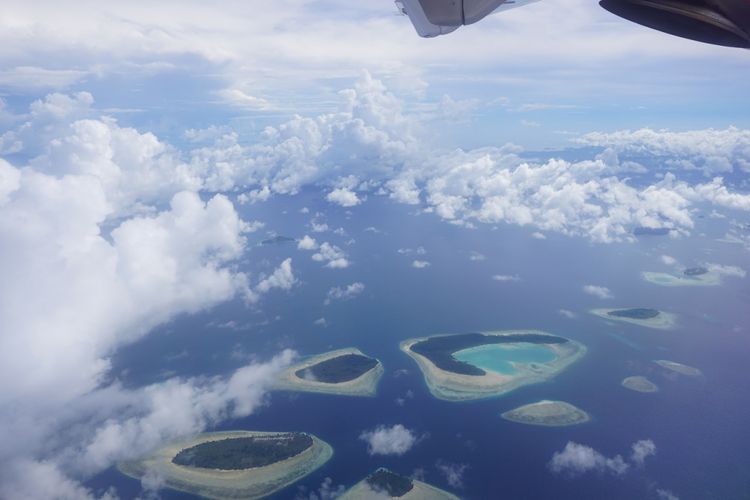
104,238
307,243
333,256
326,491
343,197
453,473
383,440
346,293
282,278
641,450
420,264
577,459
712,151
568,314
601,292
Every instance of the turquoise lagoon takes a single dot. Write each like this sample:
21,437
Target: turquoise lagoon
498,357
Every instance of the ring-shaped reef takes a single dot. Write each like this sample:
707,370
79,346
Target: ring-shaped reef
470,366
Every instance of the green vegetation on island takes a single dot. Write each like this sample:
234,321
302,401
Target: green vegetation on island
635,313
439,350
241,464
339,369
392,484
695,271
245,452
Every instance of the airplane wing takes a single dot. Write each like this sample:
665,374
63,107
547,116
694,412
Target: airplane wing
719,22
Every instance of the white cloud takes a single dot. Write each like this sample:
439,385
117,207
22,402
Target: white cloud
240,99
642,450
668,260
539,236
346,293
666,495
601,292
321,322
332,255
578,459
395,440
724,270
343,197
420,264
453,473
568,314
476,257
506,277
713,151
307,243
282,278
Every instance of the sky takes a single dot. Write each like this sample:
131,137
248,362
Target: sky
130,135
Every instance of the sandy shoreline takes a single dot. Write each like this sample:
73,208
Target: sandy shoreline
366,385
664,321
451,386
639,384
547,413
678,368
228,484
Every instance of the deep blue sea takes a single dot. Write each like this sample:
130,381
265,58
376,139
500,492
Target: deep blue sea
699,425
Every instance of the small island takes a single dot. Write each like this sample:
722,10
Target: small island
277,240
694,276
346,372
472,366
548,413
234,464
386,484
639,384
642,316
679,368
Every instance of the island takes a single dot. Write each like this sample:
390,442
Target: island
233,464
471,366
651,318
386,484
694,276
277,240
548,413
678,368
639,384
345,372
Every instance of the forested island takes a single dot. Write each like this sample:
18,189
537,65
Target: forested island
345,372
245,452
695,271
390,483
339,369
233,464
635,313
386,484
439,350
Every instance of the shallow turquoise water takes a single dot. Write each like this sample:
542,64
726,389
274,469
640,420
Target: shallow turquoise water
498,357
